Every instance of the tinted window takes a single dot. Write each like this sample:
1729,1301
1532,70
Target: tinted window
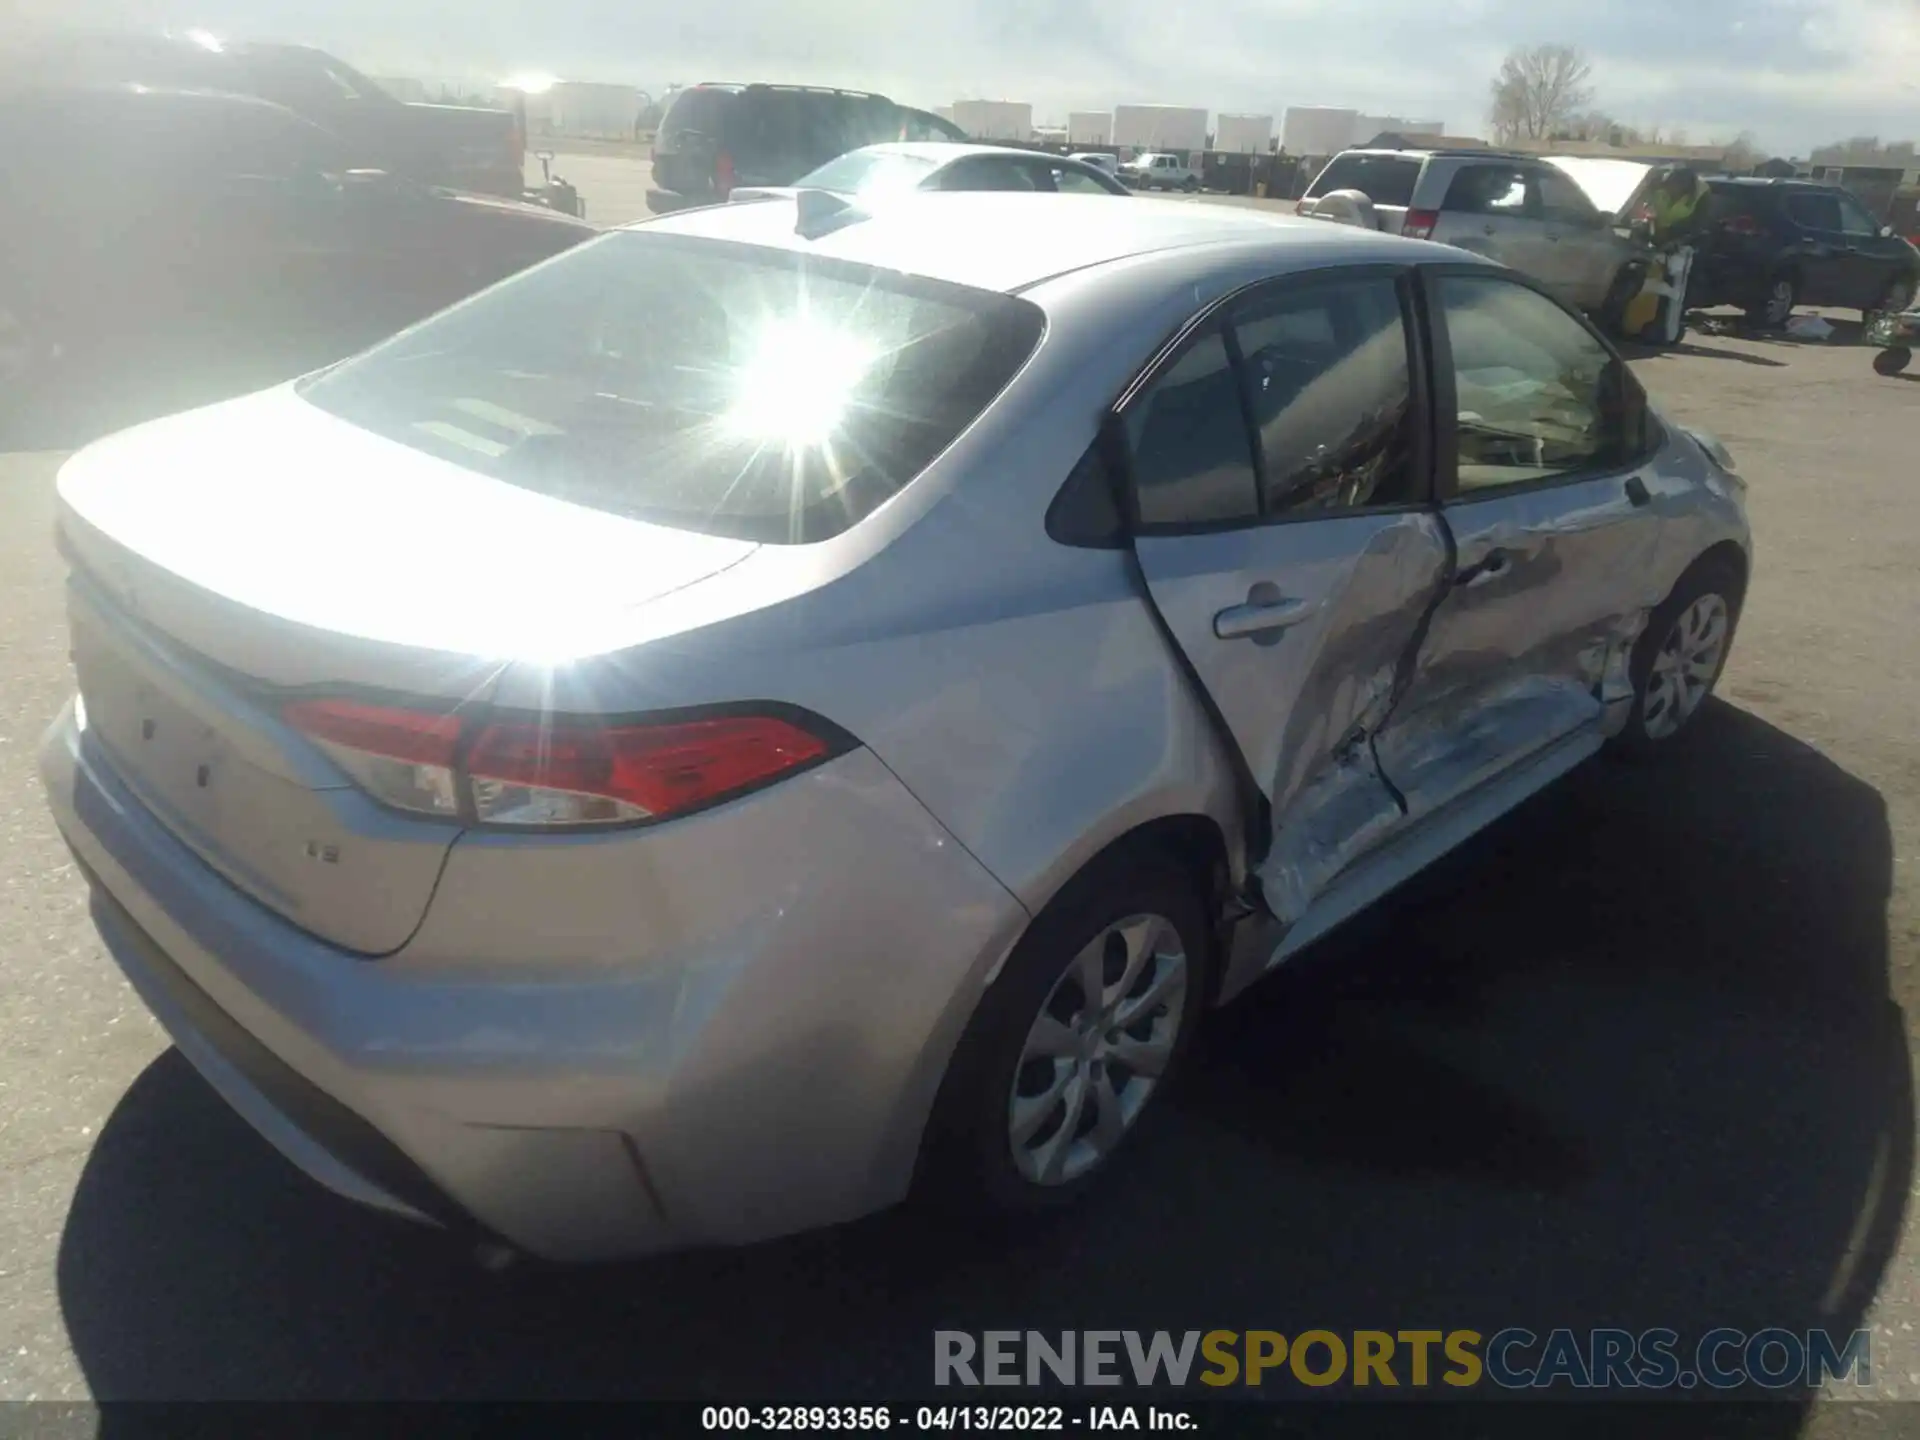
1814,210
1488,190
1192,461
1537,395
988,172
700,110
1562,200
727,389
871,172
1330,388
1070,180
305,79
924,125
804,128
1386,179
1854,219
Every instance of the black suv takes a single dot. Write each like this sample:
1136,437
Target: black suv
1769,245
714,137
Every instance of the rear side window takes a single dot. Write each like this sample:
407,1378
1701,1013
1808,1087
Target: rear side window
699,109
870,172
713,387
1488,190
1384,179
1192,460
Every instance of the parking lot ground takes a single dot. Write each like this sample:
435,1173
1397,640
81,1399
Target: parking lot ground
1641,1055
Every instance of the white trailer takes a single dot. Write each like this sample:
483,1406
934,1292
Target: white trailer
1243,134
1090,127
1177,128
1317,130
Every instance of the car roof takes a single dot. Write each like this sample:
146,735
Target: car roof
1009,243
949,150
61,94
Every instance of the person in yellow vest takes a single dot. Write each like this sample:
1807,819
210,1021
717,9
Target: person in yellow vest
1674,213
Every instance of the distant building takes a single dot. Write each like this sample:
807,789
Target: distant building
1090,127
994,119
945,112
1395,140
1179,128
1243,134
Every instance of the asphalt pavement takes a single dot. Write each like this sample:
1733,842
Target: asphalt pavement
1640,1055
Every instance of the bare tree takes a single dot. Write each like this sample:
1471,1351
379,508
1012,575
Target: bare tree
1742,154
1538,91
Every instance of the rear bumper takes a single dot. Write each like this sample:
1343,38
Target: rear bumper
598,1113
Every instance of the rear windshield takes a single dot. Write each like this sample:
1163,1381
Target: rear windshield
871,172
728,389
1385,179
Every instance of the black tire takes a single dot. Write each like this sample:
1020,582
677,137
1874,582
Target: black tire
968,1165
1708,576
1893,361
1191,185
1774,307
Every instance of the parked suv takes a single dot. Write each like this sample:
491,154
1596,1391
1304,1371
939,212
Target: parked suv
714,137
1769,245
1518,209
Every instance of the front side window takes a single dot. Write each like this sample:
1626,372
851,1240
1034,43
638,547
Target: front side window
1537,396
720,388
1330,388
1815,211
1563,201
1854,219
1192,462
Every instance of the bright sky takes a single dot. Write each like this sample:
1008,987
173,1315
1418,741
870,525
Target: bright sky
1796,72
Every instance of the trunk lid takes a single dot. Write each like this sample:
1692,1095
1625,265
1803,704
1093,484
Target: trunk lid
227,559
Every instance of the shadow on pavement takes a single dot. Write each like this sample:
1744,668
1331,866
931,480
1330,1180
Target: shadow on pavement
1629,1059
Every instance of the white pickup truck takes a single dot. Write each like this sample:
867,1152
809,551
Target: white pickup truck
1159,172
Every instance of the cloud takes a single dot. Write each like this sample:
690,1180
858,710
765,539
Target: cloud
1797,72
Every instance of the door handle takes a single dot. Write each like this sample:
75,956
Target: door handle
1497,564
1493,230
1259,617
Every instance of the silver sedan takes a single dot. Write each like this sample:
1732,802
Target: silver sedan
778,706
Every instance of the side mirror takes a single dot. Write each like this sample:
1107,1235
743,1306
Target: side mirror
1886,232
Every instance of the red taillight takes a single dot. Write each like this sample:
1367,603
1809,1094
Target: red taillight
723,174
1419,224
555,772
653,770
1742,225
412,736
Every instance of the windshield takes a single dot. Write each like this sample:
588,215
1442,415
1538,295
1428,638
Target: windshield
728,389
869,172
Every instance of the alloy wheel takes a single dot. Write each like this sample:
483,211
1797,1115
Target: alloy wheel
1686,666
1779,302
1096,1051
